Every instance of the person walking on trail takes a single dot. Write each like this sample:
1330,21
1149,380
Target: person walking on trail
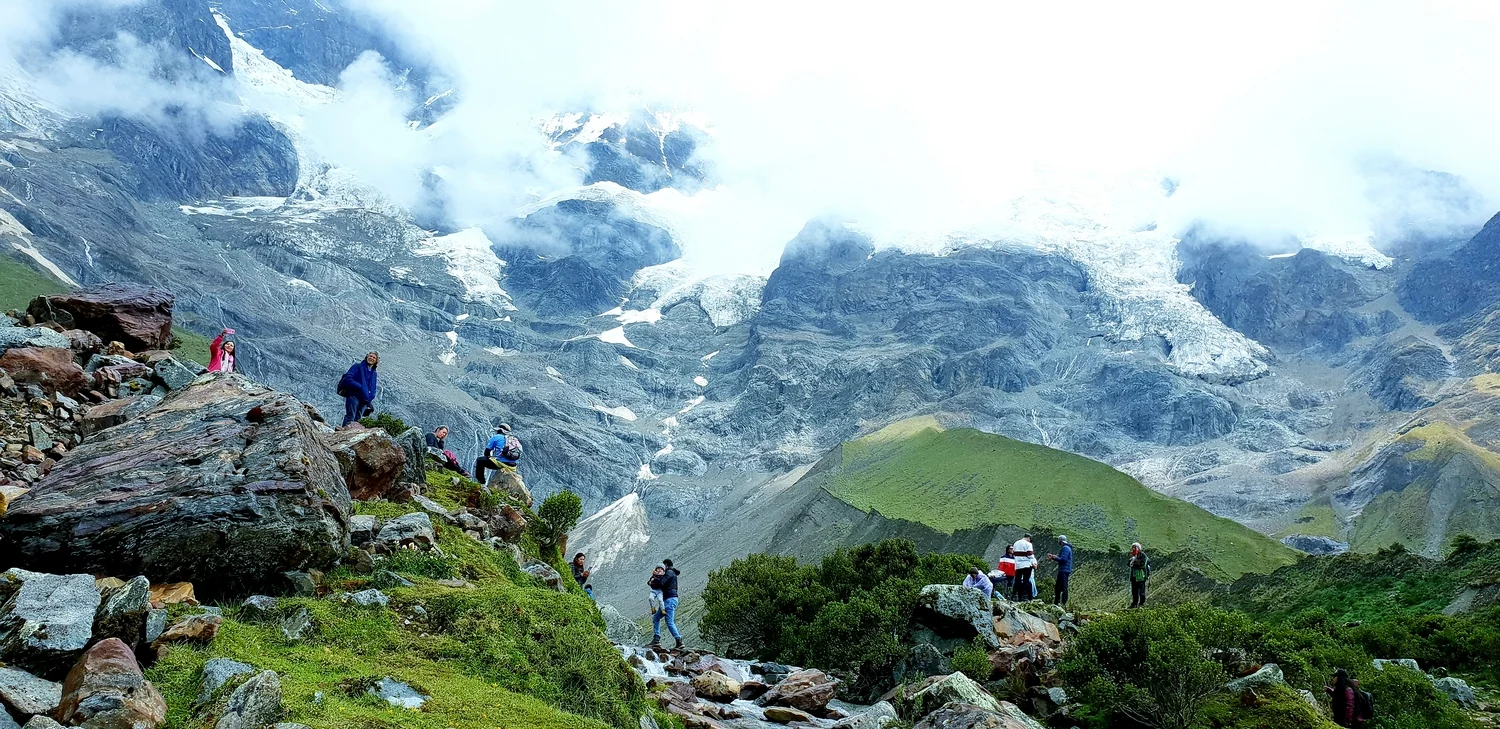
1025,556
358,387
502,451
978,581
1342,698
437,448
1064,560
664,578
1140,571
221,353
580,575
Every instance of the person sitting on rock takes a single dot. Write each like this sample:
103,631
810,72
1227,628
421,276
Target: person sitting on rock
978,581
221,353
358,387
502,451
436,448
580,574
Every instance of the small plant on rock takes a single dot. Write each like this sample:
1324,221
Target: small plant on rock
387,422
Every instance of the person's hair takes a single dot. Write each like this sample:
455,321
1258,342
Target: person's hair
1341,680
589,586
1010,550
441,427
973,570
666,563
1027,536
1136,545
576,556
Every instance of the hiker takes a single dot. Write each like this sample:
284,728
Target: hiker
1140,570
1025,555
502,450
358,387
1064,560
221,353
1007,569
1342,698
580,574
664,578
978,581
1364,705
436,448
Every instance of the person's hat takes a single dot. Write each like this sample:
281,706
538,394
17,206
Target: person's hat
502,428
1062,538
661,567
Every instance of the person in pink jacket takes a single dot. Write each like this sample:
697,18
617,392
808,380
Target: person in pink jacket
221,353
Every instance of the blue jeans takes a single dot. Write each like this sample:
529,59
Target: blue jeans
354,408
670,613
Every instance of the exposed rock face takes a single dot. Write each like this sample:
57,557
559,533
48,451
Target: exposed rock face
39,337
968,716
137,316
370,460
957,612
619,628
191,490
809,690
932,694
45,620
51,369
122,613
106,690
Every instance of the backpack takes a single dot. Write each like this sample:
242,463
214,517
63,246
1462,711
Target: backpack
1364,705
512,449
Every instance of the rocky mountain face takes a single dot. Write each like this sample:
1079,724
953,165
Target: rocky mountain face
1253,385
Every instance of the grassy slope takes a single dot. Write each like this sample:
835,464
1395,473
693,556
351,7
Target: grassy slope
961,479
1407,517
507,653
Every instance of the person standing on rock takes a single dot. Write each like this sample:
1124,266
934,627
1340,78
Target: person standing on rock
358,387
1140,571
1007,570
664,578
502,451
978,581
1025,555
1064,560
221,353
437,447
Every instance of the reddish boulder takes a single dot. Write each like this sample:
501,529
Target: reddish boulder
52,369
809,690
137,316
106,690
371,462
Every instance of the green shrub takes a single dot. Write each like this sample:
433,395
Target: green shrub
973,660
387,422
558,515
1278,708
1406,699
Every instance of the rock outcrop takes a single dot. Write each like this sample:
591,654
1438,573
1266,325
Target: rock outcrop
371,461
106,690
51,369
137,316
225,483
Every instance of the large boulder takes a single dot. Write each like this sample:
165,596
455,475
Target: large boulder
25,694
122,613
226,483
45,620
370,460
1016,626
1265,678
809,690
256,703
18,337
879,716
508,481
414,446
414,529
106,690
968,716
50,368
955,611
921,699
716,686
137,316
1456,689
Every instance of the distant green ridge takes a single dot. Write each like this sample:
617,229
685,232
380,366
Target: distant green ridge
952,480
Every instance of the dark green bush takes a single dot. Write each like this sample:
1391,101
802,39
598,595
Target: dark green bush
1405,699
559,514
387,422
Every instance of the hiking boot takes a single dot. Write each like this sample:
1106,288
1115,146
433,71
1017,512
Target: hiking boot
679,645
655,642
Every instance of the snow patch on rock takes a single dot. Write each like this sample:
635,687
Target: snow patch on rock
472,262
613,532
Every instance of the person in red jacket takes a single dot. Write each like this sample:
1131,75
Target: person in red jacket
1007,568
221,353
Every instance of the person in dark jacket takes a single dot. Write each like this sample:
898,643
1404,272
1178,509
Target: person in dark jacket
1140,571
1064,560
664,578
580,575
358,387
1341,698
437,448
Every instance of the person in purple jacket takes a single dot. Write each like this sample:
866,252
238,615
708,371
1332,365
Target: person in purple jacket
358,387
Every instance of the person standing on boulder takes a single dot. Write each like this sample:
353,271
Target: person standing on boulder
664,578
978,581
1025,555
502,451
358,387
1140,571
221,353
1064,560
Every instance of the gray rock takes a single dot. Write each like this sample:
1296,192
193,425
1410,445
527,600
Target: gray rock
1456,689
231,485
41,337
387,578
28,694
1408,663
958,715
545,573
369,598
38,436
1269,675
256,703
122,612
8,723
259,607
296,625
648,723
933,693
397,693
42,722
216,673
409,529
362,529
620,629
879,716
923,660
1315,544
301,583
174,375
413,443
958,612
47,620
156,624
429,506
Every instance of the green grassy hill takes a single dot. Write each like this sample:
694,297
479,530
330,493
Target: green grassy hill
953,480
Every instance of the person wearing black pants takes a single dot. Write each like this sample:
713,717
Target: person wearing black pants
1064,560
1025,566
1140,571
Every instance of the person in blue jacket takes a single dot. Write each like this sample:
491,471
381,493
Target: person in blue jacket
502,450
1064,560
358,387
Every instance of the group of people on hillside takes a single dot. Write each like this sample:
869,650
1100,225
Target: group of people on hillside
1015,573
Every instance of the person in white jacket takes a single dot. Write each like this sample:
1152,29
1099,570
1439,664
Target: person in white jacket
1024,588
978,581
